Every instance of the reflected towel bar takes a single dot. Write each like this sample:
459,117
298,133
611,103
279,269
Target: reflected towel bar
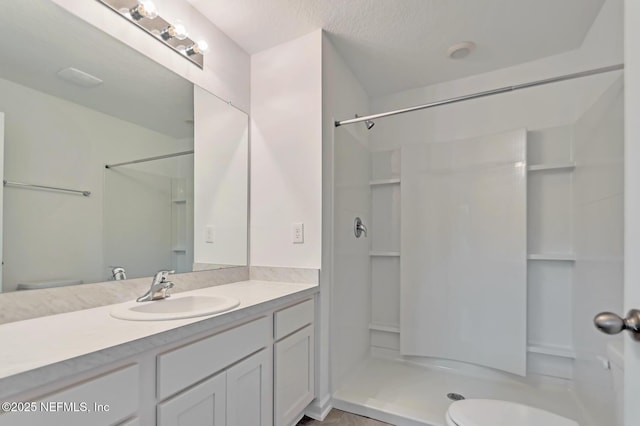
144,160
52,188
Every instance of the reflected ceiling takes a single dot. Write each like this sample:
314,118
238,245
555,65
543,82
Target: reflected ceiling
38,39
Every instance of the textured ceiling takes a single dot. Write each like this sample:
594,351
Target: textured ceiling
393,45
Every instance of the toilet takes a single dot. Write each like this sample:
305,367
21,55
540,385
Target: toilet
492,412
47,284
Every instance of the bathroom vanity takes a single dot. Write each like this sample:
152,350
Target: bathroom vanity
252,365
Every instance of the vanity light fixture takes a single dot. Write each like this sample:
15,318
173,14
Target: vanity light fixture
144,14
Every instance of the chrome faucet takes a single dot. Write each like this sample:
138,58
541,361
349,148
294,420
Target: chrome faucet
118,273
159,287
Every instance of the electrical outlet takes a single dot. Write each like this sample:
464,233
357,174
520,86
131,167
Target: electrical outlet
297,233
210,234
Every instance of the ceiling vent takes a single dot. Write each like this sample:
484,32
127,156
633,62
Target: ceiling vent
79,78
461,50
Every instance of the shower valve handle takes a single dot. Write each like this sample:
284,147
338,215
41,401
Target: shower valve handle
610,323
359,228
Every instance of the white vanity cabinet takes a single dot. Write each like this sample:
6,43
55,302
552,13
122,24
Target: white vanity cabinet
293,362
239,396
236,366
255,371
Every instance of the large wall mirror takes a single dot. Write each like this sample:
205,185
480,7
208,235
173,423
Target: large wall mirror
74,100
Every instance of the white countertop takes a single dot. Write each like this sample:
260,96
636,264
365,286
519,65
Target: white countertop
61,344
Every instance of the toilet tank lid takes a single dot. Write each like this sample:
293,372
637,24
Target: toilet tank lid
491,412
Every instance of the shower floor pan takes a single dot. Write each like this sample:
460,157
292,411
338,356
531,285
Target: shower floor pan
405,394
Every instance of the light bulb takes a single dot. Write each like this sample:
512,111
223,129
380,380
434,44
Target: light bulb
180,31
203,46
177,31
199,47
144,9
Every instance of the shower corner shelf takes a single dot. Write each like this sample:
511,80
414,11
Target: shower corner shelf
382,253
385,328
179,201
553,350
560,166
378,182
568,257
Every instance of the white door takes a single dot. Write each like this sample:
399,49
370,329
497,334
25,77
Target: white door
632,205
1,190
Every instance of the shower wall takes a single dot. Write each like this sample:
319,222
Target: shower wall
345,258
599,234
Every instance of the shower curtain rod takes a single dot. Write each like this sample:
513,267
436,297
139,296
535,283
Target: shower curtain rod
483,94
144,160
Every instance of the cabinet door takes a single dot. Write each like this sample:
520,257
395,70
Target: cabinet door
100,401
249,391
202,405
294,375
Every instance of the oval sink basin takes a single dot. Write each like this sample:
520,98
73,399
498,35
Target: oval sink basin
176,307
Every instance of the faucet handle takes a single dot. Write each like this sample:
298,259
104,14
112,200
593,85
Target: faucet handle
166,286
161,276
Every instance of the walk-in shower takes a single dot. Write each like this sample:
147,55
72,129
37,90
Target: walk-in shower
492,222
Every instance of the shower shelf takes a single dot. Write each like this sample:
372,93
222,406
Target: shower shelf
379,253
566,166
552,350
379,182
386,328
568,257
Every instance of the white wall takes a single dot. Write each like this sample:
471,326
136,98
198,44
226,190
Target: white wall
53,142
286,153
226,66
221,182
346,168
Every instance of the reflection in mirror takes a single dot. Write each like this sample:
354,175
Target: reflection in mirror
72,100
148,213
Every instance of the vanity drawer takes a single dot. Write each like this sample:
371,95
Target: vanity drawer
293,318
103,400
189,364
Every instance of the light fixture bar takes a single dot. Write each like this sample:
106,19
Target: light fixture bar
158,28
